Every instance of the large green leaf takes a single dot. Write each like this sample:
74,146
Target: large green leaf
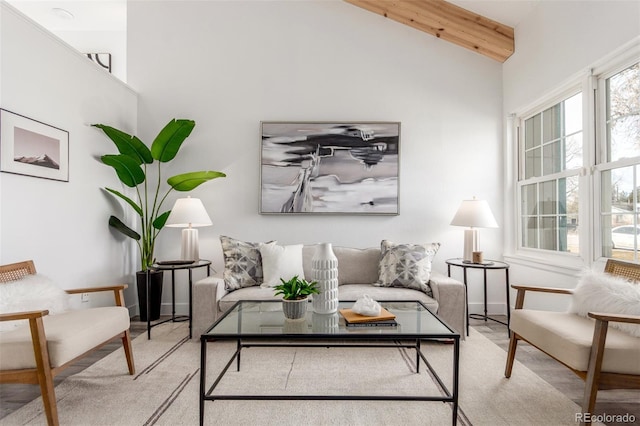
191,180
166,145
127,144
132,203
129,171
159,222
116,223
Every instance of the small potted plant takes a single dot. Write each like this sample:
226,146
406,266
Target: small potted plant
294,294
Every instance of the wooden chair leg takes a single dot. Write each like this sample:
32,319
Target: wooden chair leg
128,351
511,355
45,378
595,364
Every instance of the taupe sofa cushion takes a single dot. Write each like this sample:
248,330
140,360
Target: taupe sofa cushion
355,266
568,337
345,292
356,291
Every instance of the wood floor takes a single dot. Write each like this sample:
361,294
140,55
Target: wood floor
612,402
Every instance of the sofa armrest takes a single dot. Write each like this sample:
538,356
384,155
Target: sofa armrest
207,293
450,295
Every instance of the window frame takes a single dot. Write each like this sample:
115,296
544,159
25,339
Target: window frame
567,91
600,165
592,84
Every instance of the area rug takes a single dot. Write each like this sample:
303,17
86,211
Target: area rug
165,389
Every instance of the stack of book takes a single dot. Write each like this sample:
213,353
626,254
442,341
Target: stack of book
353,319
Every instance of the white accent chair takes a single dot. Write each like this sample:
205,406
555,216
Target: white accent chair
604,357
36,353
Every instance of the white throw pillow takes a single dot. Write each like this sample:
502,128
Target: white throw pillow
280,262
601,292
31,293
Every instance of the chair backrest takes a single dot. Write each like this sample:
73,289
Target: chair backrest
623,269
15,271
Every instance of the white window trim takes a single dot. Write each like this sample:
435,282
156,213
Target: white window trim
554,261
590,248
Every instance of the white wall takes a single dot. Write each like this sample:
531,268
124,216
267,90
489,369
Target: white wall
97,26
229,65
558,40
62,226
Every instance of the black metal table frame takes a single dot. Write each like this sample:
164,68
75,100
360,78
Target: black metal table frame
190,267
451,396
489,265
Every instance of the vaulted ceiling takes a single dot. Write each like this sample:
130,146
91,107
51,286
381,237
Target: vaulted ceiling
448,22
484,26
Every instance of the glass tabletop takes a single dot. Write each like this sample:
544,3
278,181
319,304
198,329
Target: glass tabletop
265,318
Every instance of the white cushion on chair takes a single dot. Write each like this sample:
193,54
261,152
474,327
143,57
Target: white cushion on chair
567,337
69,335
602,292
31,293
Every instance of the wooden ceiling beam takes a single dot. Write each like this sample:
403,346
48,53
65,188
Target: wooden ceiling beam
448,22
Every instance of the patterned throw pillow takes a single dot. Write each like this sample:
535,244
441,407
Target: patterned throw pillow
406,265
242,263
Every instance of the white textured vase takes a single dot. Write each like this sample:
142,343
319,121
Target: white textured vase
324,269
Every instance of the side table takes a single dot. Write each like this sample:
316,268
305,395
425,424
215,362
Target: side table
485,266
173,268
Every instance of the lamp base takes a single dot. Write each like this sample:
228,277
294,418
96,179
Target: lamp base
190,247
471,243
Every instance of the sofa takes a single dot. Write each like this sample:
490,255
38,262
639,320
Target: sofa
358,270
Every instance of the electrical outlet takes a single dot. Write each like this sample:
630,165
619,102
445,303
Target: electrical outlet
84,297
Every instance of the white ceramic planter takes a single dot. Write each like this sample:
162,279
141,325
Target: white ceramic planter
295,309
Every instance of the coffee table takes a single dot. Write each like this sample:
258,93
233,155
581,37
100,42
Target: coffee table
262,324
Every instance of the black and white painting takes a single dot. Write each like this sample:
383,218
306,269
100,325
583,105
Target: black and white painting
32,148
330,167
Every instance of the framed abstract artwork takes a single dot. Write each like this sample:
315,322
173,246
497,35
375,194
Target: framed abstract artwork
330,168
29,147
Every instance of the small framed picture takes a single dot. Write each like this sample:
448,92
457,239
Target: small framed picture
32,148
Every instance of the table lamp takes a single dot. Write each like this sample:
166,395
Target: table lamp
473,214
189,213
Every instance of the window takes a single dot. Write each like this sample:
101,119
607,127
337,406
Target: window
551,159
578,176
620,164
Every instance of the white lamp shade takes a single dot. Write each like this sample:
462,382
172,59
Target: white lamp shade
188,212
475,214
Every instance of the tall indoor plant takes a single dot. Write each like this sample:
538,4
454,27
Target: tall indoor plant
131,167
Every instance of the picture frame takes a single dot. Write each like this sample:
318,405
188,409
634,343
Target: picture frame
102,59
330,167
32,148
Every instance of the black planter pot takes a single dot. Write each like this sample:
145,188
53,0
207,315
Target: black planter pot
155,294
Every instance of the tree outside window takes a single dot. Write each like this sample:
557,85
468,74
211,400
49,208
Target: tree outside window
620,176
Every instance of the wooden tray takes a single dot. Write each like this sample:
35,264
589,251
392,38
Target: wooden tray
353,317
